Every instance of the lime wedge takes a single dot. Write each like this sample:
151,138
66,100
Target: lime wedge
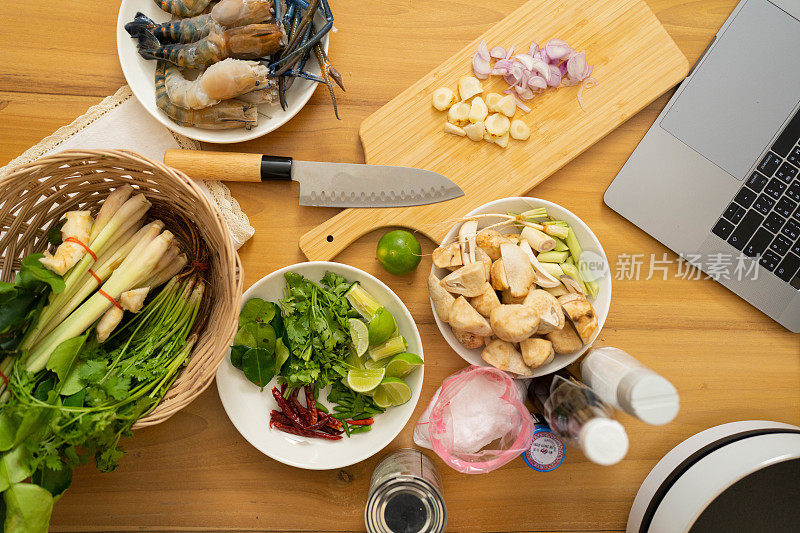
381,399
359,333
396,390
365,380
381,327
403,364
353,360
370,363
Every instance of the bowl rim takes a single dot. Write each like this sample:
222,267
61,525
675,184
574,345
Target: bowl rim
200,134
410,405
567,358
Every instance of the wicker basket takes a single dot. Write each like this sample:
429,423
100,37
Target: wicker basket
35,196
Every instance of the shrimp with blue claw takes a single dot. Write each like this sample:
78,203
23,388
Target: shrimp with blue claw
228,114
226,14
246,42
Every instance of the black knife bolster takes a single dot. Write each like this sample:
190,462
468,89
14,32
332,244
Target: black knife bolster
276,168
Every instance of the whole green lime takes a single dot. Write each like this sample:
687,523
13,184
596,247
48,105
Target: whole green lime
399,252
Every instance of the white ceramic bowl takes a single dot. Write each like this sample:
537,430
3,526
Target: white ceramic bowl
139,73
249,408
588,242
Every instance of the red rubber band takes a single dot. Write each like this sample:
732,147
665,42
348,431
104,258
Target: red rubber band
88,250
5,379
96,277
110,299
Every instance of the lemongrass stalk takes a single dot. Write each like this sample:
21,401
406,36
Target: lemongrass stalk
166,261
56,302
111,204
126,216
133,268
162,276
106,266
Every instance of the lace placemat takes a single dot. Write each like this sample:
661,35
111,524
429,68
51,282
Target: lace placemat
119,121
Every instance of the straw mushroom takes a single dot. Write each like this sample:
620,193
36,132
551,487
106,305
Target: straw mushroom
466,240
486,301
501,354
442,300
498,276
541,277
448,256
519,271
537,352
551,317
581,313
490,240
467,339
484,258
464,317
564,340
514,322
560,290
468,280
506,298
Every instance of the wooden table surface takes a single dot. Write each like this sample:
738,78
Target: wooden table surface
196,473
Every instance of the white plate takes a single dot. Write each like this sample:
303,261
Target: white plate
588,242
139,73
249,408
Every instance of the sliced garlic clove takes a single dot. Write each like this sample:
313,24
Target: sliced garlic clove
475,131
502,142
478,110
459,114
519,130
443,98
492,99
469,86
497,125
455,130
507,105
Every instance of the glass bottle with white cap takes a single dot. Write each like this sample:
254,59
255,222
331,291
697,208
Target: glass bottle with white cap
580,417
626,384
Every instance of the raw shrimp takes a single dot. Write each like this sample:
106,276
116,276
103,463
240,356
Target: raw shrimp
186,30
221,81
225,115
233,13
262,95
247,42
226,14
183,8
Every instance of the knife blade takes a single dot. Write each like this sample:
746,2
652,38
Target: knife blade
322,184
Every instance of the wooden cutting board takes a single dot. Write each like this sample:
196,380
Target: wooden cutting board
634,59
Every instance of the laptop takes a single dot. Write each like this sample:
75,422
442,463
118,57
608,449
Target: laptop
717,176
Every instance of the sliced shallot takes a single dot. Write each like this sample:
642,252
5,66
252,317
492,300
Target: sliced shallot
498,52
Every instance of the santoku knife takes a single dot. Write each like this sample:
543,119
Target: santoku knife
322,184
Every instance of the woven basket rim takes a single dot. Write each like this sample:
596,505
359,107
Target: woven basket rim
39,177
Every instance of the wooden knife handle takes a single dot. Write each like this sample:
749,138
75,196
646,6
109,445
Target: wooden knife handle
229,166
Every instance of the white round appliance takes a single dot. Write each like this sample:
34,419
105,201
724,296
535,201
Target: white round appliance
741,476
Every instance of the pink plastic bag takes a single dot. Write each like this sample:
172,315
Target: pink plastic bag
476,421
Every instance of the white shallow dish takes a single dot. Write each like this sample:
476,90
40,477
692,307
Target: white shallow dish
139,73
588,241
249,408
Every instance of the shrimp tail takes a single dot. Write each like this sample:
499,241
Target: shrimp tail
149,45
140,23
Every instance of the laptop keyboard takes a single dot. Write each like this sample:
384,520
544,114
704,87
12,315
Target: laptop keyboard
763,220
